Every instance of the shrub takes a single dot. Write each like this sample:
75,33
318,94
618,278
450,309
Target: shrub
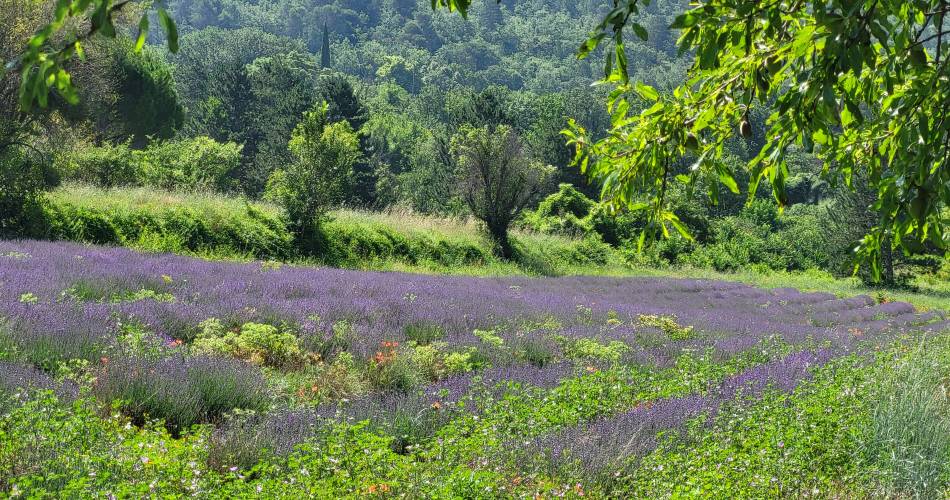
324,156
564,212
108,165
257,343
907,438
196,164
22,182
181,391
202,224
200,164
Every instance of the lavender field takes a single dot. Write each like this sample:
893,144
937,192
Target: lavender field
261,379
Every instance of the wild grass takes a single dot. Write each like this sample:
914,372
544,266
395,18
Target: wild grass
907,439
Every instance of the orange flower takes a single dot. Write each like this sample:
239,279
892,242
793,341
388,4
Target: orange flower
378,488
436,405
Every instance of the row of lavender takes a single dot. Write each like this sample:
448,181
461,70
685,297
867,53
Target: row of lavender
379,306
74,300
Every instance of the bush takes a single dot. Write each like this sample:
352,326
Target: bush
257,343
22,182
108,165
324,156
200,164
564,212
182,391
167,222
907,438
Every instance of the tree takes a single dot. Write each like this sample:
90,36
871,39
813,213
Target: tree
325,50
43,64
343,104
497,178
849,217
323,157
283,88
147,102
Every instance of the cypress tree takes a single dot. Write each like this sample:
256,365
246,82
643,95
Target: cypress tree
325,54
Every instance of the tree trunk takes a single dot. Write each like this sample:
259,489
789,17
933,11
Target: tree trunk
888,258
499,235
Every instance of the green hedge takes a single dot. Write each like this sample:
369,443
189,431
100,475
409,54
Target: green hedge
240,231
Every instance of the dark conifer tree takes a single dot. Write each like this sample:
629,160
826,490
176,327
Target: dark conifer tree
325,51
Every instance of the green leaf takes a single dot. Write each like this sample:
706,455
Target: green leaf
143,32
647,92
171,31
726,178
684,20
640,31
678,225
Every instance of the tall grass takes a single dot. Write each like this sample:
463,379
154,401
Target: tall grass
907,438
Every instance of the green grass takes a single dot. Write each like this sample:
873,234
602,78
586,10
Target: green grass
201,224
222,227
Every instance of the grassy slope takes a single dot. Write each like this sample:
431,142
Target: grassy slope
403,241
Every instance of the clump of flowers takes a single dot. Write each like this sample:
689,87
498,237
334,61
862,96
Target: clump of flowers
391,369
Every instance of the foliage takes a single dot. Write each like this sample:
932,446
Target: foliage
906,437
23,178
497,178
814,68
166,222
564,212
324,155
147,101
198,164
43,62
257,343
